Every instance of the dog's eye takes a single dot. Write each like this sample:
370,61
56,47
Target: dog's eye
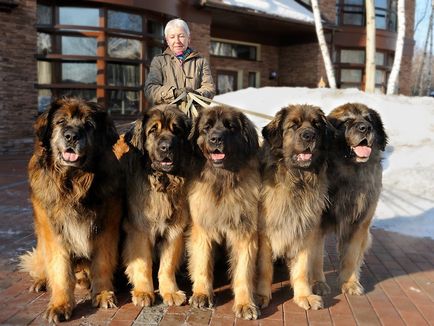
207,126
60,122
229,125
317,123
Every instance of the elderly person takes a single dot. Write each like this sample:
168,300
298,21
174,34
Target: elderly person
178,69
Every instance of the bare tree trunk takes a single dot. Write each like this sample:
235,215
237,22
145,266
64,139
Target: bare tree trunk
393,78
429,75
418,85
370,47
323,45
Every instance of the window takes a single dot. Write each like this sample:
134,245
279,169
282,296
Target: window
226,81
124,48
351,76
96,53
79,16
233,50
351,68
78,45
352,56
84,73
252,79
124,21
44,44
44,15
122,74
352,12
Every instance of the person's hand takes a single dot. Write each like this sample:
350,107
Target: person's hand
178,92
191,90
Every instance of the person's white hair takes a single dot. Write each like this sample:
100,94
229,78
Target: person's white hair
177,22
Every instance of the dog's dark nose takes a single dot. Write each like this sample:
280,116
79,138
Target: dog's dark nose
307,135
363,127
71,135
165,146
216,138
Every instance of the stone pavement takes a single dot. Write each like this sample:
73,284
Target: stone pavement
398,276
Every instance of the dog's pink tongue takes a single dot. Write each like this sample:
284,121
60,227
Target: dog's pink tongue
362,151
218,156
304,156
71,157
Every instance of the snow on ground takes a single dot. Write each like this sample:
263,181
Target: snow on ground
282,8
407,201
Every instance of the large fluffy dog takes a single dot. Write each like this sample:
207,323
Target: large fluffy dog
355,185
75,192
224,205
293,198
156,159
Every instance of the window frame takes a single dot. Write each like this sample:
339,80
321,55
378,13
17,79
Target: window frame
386,67
102,33
389,13
254,45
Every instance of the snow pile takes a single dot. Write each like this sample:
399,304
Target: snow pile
407,201
282,8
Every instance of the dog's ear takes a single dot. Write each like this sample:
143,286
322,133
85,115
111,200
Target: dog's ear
194,133
378,126
330,131
248,130
105,125
272,132
42,125
186,125
135,136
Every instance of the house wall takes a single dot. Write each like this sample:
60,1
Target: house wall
200,38
300,65
18,98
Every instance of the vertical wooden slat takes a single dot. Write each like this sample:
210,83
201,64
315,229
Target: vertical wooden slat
100,63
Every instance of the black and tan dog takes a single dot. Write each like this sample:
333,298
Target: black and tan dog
223,201
156,156
75,185
355,184
293,198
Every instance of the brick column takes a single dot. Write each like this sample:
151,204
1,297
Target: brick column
18,98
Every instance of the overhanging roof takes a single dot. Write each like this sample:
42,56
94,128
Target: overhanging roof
287,10
271,25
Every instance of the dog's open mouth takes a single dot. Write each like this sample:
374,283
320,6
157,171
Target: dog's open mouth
217,156
362,150
304,157
167,162
70,155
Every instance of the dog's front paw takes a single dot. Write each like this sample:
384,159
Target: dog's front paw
56,313
321,288
352,287
246,311
142,298
201,301
263,300
104,299
174,299
39,285
312,301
